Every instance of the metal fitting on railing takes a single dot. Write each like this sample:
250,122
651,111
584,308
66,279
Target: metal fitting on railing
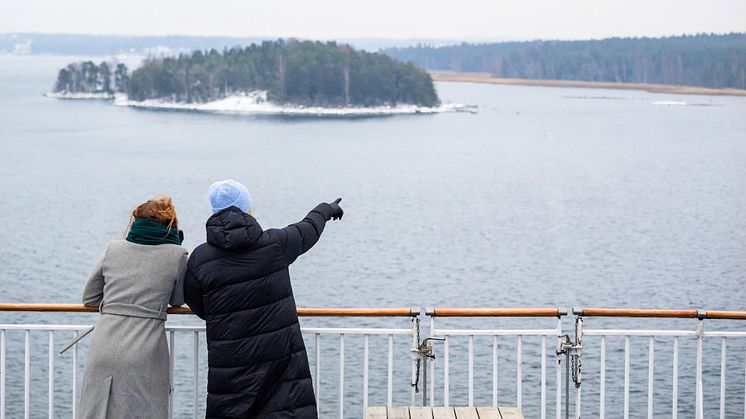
424,352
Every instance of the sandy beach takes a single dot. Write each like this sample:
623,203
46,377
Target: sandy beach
452,76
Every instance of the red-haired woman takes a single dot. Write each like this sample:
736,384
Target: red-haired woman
126,374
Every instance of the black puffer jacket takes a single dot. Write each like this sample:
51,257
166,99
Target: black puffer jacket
238,282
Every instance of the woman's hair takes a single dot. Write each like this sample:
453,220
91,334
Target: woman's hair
160,209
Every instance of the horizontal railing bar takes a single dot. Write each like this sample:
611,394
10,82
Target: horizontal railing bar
437,312
355,331
637,332
46,327
634,312
320,330
726,315
303,312
495,332
723,334
496,312
359,312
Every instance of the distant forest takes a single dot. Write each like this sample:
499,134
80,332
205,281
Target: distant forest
292,72
717,61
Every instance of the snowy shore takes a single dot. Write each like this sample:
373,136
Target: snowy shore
81,96
256,103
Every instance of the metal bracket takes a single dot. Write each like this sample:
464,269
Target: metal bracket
573,351
424,352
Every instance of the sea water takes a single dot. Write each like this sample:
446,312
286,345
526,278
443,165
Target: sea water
545,197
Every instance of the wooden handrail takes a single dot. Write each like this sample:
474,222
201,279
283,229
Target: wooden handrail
303,312
497,312
731,315
634,312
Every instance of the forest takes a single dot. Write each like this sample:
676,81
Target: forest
87,77
293,72
707,60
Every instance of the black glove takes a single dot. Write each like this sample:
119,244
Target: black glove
336,212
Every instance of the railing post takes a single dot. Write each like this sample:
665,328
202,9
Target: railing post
317,381
578,347
171,384
602,381
365,371
27,374
471,372
445,374
195,367
413,361
543,407
700,336
651,369
2,374
50,399
519,372
722,379
75,377
494,371
341,375
675,379
626,377
558,371
390,372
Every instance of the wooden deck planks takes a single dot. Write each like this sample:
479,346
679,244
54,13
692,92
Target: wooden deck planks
443,413
510,413
398,412
466,413
375,412
418,412
488,413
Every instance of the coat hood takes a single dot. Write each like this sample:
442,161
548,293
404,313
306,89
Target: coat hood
232,229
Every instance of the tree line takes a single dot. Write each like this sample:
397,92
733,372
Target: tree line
706,60
291,72
87,77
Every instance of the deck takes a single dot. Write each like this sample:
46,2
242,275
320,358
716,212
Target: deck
418,412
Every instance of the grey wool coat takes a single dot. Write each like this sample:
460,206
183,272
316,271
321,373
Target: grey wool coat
126,373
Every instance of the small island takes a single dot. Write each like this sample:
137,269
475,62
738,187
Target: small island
86,80
280,75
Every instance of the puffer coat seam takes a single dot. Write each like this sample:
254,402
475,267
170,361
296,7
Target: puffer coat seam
266,361
215,315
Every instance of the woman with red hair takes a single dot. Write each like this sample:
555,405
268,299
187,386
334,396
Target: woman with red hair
126,374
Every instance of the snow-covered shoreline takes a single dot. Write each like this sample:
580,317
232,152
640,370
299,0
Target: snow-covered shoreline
256,103
81,96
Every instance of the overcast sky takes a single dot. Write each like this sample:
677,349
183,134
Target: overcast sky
329,19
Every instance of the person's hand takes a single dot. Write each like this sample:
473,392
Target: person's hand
337,212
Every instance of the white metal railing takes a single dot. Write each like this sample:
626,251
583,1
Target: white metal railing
462,339
697,333
197,333
553,333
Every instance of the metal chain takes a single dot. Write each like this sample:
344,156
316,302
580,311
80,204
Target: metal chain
575,365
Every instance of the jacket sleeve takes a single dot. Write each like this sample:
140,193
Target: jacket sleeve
300,237
193,294
177,295
93,292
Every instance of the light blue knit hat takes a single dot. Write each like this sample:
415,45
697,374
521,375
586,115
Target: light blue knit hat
226,193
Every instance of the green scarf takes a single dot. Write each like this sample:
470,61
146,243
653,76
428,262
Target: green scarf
150,232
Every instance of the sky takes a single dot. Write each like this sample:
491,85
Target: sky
344,19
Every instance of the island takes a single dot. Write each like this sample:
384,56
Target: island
292,74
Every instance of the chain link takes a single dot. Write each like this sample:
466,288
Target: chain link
575,365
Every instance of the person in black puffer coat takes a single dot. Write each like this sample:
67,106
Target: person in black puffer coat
239,283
